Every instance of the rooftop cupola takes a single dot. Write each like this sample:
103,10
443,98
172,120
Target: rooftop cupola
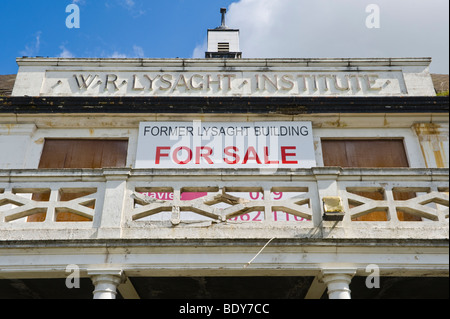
223,42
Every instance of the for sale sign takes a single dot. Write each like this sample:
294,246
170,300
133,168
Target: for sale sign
225,145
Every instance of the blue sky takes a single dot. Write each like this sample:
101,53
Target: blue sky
113,28
269,28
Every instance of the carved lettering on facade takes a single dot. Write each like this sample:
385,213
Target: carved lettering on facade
229,83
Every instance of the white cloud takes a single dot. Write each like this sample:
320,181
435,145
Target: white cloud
199,51
133,7
138,51
129,3
65,53
336,28
117,55
32,49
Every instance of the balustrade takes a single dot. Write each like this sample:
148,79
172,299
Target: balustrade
158,204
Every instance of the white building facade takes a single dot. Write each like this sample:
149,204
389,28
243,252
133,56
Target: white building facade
313,173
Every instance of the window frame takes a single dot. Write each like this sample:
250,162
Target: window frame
38,141
411,143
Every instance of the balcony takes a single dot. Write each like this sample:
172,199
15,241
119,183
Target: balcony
316,204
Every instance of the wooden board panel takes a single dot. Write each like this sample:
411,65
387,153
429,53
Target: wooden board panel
364,153
84,154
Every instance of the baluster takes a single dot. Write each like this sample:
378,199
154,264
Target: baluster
51,212
4,209
175,218
392,209
327,186
268,216
111,222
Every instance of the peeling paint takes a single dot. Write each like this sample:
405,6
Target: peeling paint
439,159
9,127
427,129
386,123
337,123
431,137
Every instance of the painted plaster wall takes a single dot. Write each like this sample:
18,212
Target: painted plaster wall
22,144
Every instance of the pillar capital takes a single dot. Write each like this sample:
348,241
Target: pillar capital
338,282
106,282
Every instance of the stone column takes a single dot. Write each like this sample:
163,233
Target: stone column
110,225
327,188
338,282
106,283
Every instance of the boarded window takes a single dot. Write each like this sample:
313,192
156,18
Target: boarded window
369,153
364,153
67,153
84,154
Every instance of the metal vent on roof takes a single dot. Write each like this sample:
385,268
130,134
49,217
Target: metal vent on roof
223,47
